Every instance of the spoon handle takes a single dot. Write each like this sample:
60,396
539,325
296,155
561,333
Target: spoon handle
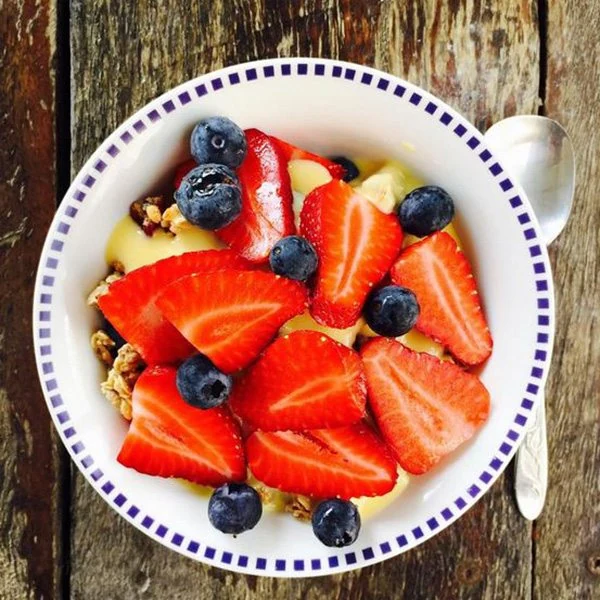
531,468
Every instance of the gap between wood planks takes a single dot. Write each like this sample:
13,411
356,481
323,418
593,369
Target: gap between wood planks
63,180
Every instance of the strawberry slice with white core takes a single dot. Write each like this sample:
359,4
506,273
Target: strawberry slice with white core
440,275
304,380
267,213
130,303
169,438
230,316
425,408
356,244
347,462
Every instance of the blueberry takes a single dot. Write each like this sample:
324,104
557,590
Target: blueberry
218,140
391,310
351,169
210,196
234,508
293,257
201,384
336,522
425,210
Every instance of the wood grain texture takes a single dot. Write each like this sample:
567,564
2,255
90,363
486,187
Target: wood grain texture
568,533
480,56
29,453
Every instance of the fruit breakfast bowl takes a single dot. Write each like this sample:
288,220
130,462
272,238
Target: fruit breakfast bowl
330,108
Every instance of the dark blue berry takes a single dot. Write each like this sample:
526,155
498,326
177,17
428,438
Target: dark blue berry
218,140
425,210
351,169
201,384
234,508
293,257
336,522
391,310
210,196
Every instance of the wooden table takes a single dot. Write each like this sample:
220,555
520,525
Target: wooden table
70,72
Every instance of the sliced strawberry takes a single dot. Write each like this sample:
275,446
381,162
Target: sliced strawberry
182,170
169,438
291,152
130,303
356,244
304,380
440,275
424,407
230,316
267,214
347,462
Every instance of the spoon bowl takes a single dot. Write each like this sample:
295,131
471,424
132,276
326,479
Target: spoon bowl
539,154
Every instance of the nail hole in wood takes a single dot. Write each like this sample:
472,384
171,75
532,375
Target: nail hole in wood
594,564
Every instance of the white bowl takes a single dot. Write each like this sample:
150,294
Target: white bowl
327,106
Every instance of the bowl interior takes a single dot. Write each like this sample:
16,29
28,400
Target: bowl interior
346,110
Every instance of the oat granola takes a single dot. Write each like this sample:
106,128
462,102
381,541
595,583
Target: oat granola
147,213
300,507
102,287
118,385
104,347
174,221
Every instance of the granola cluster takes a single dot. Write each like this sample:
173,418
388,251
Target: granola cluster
117,271
154,212
300,507
123,363
121,377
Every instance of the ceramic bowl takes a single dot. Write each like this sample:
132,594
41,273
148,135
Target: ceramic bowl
326,106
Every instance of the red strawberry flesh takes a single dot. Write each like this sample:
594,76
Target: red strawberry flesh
169,438
304,380
356,244
182,170
347,462
130,303
267,214
425,408
440,275
230,316
291,152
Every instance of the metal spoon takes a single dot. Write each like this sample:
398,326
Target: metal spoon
539,154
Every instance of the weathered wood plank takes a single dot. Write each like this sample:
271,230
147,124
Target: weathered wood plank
29,453
480,56
568,534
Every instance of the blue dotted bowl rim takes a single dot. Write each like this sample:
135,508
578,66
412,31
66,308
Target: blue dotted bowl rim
193,91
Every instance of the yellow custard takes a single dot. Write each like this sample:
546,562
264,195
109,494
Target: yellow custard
130,246
306,322
369,507
306,175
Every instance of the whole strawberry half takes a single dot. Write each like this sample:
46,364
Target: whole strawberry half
267,214
230,316
130,303
356,244
425,408
291,152
440,275
169,438
347,462
304,380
